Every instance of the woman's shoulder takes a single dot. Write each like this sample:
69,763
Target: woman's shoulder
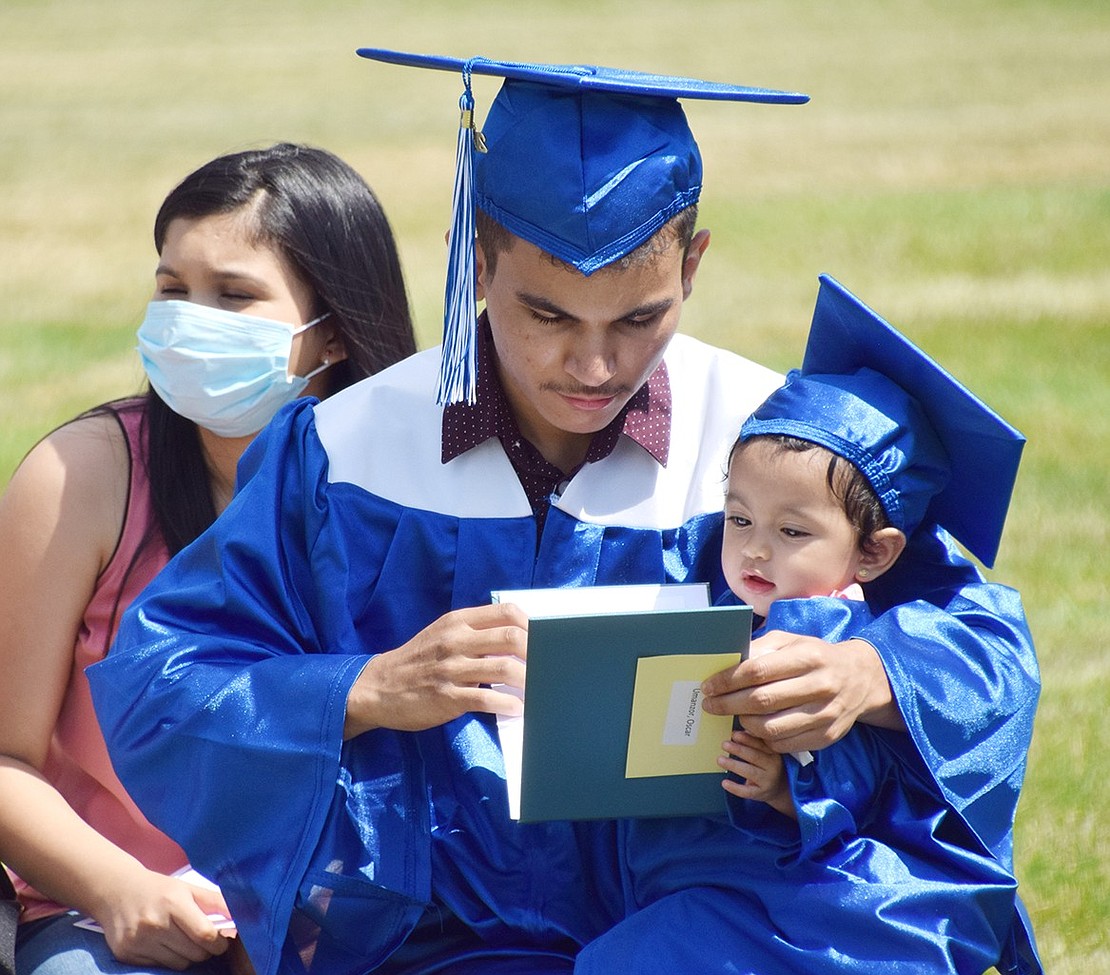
81,470
96,441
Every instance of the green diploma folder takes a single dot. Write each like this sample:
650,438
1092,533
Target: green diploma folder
613,725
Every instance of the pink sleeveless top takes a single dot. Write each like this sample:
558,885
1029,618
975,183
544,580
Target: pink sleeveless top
77,764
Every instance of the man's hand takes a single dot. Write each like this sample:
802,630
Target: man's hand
800,693
439,674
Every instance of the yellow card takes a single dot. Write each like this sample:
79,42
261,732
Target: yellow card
670,734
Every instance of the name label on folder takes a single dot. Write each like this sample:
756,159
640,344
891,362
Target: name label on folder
670,734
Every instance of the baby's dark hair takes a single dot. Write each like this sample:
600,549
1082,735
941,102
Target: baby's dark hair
861,504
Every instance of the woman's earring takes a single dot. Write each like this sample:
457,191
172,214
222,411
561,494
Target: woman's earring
863,573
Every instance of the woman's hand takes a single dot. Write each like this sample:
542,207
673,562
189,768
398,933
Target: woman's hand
159,920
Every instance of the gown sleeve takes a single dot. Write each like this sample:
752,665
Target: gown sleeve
221,761
835,793
963,670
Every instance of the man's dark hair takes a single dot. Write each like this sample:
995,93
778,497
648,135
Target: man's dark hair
496,239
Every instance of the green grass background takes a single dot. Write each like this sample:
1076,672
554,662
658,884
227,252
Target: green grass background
953,169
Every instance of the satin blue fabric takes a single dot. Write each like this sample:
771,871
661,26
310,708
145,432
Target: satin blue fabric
873,423
616,168
586,162
223,703
876,840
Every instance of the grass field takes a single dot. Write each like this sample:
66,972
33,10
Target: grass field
953,169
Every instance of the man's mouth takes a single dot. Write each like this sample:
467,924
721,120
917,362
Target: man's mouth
588,403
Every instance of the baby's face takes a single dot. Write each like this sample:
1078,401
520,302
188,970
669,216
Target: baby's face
786,535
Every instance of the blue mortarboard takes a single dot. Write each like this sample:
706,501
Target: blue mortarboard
584,162
931,449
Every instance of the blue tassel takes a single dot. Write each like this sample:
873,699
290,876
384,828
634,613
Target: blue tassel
458,372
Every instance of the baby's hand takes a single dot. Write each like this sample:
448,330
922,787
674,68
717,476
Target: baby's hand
761,768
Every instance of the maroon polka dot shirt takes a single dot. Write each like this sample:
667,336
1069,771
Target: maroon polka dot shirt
645,419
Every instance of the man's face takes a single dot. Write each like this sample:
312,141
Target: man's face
571,349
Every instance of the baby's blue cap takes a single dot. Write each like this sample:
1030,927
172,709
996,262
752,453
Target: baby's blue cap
584,162
932,450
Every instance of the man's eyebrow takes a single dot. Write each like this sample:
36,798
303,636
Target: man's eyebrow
539,303
651,309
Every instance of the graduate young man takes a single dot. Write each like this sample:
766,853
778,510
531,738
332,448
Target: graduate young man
303,699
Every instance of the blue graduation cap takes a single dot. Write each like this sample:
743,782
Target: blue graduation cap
932,450
584,162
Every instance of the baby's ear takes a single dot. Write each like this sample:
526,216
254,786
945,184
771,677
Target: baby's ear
879,553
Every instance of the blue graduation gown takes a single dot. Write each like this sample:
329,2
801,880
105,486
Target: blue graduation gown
223,700
879,873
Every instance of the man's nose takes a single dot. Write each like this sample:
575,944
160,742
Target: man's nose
592,364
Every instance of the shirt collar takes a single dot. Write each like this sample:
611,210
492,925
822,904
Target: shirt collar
645,419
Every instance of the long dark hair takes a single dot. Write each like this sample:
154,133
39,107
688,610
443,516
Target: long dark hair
314,209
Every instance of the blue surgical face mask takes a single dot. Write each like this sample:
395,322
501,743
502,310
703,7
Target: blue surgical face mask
225,371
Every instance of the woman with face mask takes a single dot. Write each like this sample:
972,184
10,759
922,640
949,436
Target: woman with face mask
278,277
